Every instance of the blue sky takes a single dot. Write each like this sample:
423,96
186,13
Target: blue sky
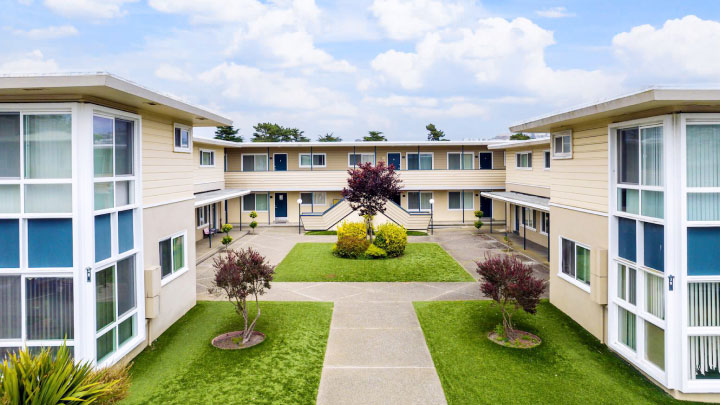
472,68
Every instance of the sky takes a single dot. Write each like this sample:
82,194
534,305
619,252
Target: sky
473,68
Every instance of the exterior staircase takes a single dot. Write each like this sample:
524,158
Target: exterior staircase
333,216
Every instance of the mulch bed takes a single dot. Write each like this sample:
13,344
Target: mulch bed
233,340
519,340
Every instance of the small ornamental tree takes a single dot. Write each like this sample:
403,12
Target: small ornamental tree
227,239
253,223
241,274
478,221
511,284
369,188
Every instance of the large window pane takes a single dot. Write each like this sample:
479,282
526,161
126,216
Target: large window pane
454,161
412,161
49,308
50,243
102,146
9,198
166,257
127,330
249,202
248,162
104,297
655,345
104,196
425,161
105,344
10,311
626,328
413,201
655,295
704,304
48,152
652,156
425,201
627,239
704,355
178,253
454,200
48,198
468,197
583,264
653,204
123,147
126,285
703,149
627,283
568,257
10,145
260,163
102,237
468,161
628,153
654,246
9,243
305,160
125,231
703,254
628,201
261,202
703,206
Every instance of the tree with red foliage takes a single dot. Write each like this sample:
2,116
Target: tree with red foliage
510,283
369,187
241,274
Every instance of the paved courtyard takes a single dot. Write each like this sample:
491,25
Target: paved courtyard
376,351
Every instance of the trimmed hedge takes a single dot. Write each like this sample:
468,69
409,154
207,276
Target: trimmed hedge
391,238
375,252
352,240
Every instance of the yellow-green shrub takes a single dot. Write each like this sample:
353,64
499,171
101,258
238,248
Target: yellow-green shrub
350,247
391,238
375,252
355,230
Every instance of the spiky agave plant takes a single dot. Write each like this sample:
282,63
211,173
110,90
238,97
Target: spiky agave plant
47,379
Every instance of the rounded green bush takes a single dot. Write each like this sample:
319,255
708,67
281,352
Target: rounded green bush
350,247
391,238
355,230
375,252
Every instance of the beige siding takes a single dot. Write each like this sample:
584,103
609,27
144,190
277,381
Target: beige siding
209,178
167,175
535,180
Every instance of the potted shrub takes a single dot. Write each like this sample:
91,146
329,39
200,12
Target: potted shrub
242,274
511,284
254,223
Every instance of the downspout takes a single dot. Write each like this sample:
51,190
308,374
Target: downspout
311,159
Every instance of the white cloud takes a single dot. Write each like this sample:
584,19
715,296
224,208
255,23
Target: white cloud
93,9
496,52
50,32
408,19
33,62
458,110
395,100
169,72
554,12
681,50
269,89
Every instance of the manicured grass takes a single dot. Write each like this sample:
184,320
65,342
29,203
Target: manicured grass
182,367
410,233
417,233
570,366
421,262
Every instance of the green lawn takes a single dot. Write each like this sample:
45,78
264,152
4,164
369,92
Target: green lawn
569,367
182,367
421,262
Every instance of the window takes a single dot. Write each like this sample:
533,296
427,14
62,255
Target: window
315,198
306,198
115,302
10,308
455,162
640,171
172,255
103,237
419,201
183,138
201,216
523,160
49,308
456,202
562,145
545,222
419,161
9,243
47,144
255,202
529,218
356,159
546,156
207,158
254,163
316,160
626,328
627,284
575,261
59,231
10,141
319,198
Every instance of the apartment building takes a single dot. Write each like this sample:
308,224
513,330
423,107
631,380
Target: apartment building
97,205
634,186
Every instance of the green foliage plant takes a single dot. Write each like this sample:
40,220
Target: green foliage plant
375,252
352,240
391,238
254,223
227,239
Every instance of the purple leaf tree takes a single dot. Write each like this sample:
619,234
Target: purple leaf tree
368,189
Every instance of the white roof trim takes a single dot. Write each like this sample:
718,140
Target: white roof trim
212,197
518,144
494,196
209,141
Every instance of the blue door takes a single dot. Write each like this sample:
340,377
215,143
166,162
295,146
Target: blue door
280,164
394,159
280,205
486,206
485,160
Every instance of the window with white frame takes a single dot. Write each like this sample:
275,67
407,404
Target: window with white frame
545,222
546,156
313,198
562,145
458,200
529,218
207,158
419,161
460,161
183,138
202,214
355,159
254,162
575,261
419,201
255,202
115,307
315,160
173,255
523,160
